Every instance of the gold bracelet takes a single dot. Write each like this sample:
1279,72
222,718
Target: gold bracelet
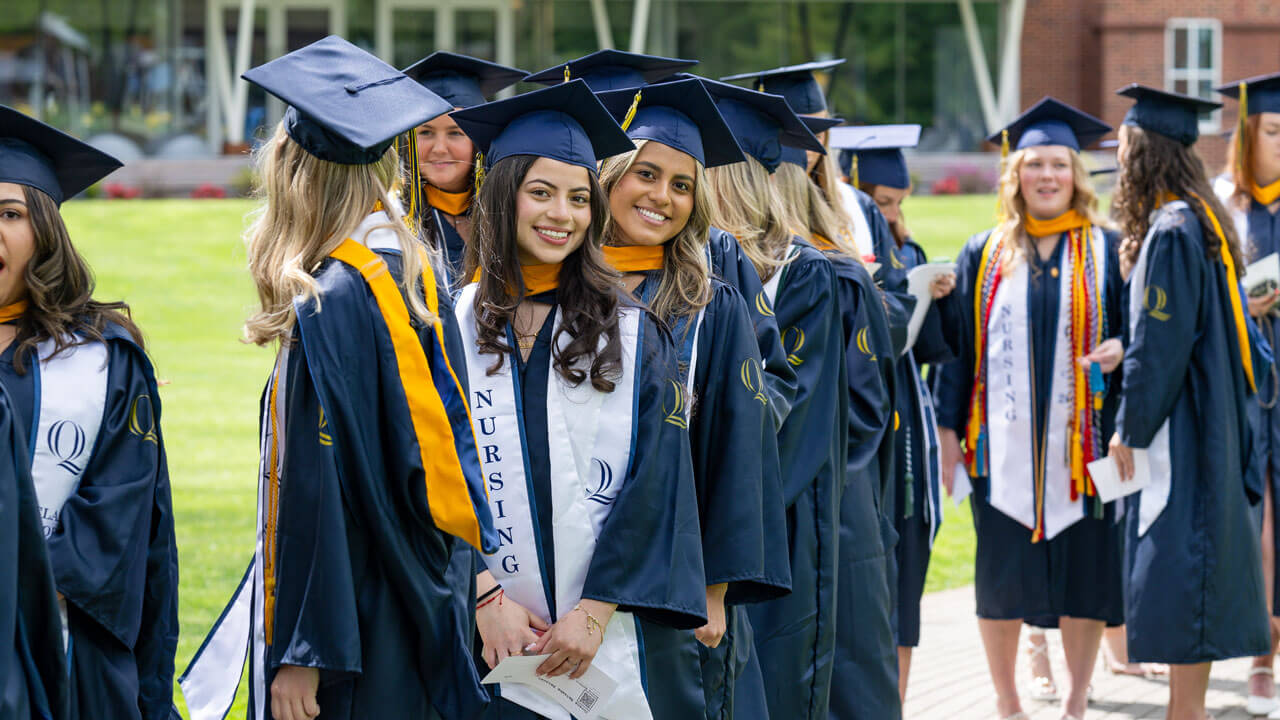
593,624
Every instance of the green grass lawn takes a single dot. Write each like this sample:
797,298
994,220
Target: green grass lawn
181,265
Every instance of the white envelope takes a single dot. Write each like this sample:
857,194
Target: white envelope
1106,477
961,486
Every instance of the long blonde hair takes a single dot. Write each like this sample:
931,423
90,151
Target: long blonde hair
1013,207
309,207
749,207
809,212
684,289
826,175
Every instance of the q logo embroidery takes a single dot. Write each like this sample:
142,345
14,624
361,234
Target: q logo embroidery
762,305
142,419
864,343
793,340
1154,300
753,379
603,476
67,441
325,438
676,414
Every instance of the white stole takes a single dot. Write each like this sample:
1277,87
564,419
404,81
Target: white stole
859,227
1011,401
1153,498
590,440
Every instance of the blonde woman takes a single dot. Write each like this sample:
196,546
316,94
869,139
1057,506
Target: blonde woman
370,492
794,635
1029,393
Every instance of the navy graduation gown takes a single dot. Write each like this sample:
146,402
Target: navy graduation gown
795,635
114,556
368,590
866,660
33,672
911,502
648,556
1076,573
1194,579
731,265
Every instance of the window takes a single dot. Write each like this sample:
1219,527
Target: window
1193,61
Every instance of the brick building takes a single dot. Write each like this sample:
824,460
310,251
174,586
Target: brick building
1081,51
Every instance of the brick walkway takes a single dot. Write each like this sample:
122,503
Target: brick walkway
949,679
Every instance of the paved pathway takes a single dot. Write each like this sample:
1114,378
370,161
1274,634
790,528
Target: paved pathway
949,679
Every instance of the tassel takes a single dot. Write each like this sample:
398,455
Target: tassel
566,72
480,171
1242,133
853,171
1004,160
415,184
631,112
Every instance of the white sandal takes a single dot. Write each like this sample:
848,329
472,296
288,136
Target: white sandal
1017,716
1043,688
1260,704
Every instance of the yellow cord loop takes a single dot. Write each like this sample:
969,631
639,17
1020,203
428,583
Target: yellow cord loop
479,172
631,112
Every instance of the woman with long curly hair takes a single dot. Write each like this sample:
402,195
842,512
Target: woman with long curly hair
657,232
795,636
1038,300
370,495
443,158
583,417
1249,190
1194,590
78,376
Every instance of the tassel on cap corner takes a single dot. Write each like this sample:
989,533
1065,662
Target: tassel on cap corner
631,112
1004,161
479,178
566,73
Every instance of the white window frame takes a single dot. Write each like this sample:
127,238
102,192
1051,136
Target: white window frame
1193,76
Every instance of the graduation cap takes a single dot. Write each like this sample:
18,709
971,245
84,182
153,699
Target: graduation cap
816,125
345,105
564,122
461,79
1051,122
1257,94
1174,115
45,158
793,82
606,70
680,115
761,123
878,152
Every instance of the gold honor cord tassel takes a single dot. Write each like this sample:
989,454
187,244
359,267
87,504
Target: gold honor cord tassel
479,172
631,112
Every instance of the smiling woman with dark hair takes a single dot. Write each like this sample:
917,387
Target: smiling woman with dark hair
582,419
78,377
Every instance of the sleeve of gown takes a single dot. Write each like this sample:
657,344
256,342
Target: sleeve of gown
114,555
955,379
735,459
1156,361
870,407
315,619
648,556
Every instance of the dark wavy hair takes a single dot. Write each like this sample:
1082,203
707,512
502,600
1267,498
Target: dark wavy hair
1155,166
60,304
588,296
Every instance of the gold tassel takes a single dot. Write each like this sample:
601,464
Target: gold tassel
1242,132
631,112
479,172
1004,160
566,72
853,171
415,182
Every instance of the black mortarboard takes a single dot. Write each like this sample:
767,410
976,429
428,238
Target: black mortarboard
761,123
796,83
1262,93
816,125
461,79
606,70
879,152
1174,115
680,115
345,105
1052,122
564,122
45,158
